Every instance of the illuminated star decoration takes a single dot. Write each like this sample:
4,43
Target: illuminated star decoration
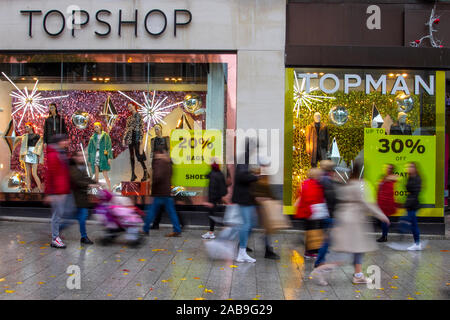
110,113
302,98
152,111
29,102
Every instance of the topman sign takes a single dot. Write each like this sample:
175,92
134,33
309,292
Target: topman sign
371,83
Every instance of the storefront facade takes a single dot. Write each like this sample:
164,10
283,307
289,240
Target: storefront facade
210,66
376,88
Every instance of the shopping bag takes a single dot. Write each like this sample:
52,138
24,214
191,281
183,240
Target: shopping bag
221,249
272,217
319,211
314,239
232,216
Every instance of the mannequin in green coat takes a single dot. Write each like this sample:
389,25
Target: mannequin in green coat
100,153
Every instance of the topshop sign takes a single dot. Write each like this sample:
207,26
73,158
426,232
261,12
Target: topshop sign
354,81
55,22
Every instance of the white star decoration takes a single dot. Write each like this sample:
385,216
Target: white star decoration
152,111
302,98
29,102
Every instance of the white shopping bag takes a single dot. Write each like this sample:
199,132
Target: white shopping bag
319,211
232,216
221,249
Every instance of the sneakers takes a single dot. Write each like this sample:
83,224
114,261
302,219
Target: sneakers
310,255
244,257
414,247
382,239
361,280
318,276
173,234
86,240
208,235
57,243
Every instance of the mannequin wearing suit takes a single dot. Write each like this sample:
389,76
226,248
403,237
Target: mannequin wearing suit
401,128
317,140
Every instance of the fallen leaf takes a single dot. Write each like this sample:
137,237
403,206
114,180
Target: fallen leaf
199,298
201,286
9,291
41,282
196,278
357,290
21,242
2,279
109,295
393,287
447,284
156,298
158,250
138,284
410,298
19,259
208,291
140,298
255,299
142,260
6,287
125,270
381,288
276,241
189,259
166,280
20,282
418,293
229,299
179,250
125,273
258,296
105,261
183,279
222,268
322,291
43,248
55,276
151,289
444,250
284,266
395,277
233,266
118,260
152,269
173,262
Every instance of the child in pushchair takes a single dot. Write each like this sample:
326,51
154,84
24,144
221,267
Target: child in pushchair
118,214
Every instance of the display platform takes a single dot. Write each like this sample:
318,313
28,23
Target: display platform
136,188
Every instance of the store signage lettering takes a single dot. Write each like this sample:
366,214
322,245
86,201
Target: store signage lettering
374,20
181,18
354,81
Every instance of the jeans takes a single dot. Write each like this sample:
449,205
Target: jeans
414,226
357,258
384,229
62,206
169,205
248,214
81,215
327,224
212,212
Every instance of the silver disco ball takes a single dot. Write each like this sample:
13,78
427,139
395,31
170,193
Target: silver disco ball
80,119
338,115
192,102
405,103
15,181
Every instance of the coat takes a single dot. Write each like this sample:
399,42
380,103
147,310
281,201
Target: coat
57,176
104,149
316,145
311,193
217,186
397,130
52,126
351,225
79,182
385,195
161,177
413,186
243,179
329,191
38,148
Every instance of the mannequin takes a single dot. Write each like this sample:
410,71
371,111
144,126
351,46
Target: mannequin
31,153
134,133
401,128
317,140
159,141
54,124
100,153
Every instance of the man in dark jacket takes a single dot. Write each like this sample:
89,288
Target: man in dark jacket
80,182
161,178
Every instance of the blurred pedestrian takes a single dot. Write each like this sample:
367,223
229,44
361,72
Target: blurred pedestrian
161,178
385,198
412,204
217,189
350,231
57,185
329,185
80,183
311,197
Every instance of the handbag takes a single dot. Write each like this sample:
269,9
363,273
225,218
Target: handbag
272,216
313,239
319,211
232,216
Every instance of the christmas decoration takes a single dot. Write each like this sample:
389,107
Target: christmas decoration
80,119
303,98
192,103
338,115
377,120
152,111
16,181
335,156
110,113
29,102
10,135
434,42
405,103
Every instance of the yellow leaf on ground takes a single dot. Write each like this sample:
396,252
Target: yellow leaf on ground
381,288
222,268
233,266
140,298
258,296
322,291
208,291
158,250
357,290
410,298
196,278
109,295
418,293
2,279
189,259
276,241
55,276
9,291
142,260
199,298
138,284
179,250
183,279
19,259
393,287
20,282
255,299
200,286
43,248
395,277
156,298
118,260
21,242
41,282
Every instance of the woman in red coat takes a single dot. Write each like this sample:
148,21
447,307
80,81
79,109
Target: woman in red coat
385,198
311,193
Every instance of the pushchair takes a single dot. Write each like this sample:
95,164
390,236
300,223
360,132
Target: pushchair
118,215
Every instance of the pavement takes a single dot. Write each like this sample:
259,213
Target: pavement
179,269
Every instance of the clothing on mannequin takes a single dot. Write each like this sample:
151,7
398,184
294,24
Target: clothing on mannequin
317,140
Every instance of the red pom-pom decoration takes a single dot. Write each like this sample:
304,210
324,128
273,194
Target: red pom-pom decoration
441,46
417,41
436,21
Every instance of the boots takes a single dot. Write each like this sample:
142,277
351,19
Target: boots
145,177
133,177
270,254
382,239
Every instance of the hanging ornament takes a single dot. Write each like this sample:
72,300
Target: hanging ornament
29,102
377,120
335,156
434,42
15,181
153,111
192,103
405,102
303,98
338,115
110,113
80,119
10,135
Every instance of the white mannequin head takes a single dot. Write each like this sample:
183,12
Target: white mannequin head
317,117
402,117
